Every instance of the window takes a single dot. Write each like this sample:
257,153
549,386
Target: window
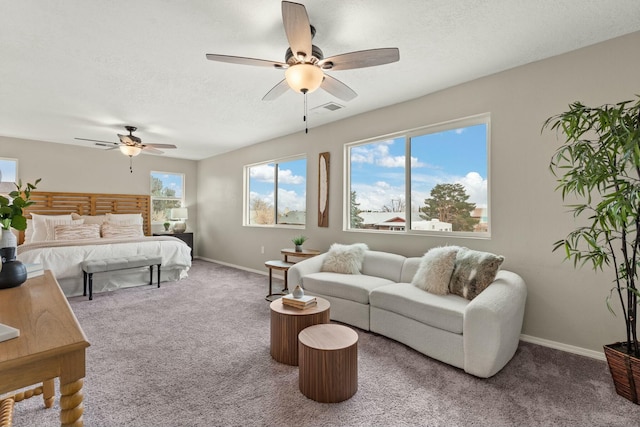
276,192
167,192
441,170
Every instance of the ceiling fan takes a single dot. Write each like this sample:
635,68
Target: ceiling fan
130,145
305,64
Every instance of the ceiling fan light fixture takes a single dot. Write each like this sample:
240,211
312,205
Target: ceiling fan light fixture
130,150
304,78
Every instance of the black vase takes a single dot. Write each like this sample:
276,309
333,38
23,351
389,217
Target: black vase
13,272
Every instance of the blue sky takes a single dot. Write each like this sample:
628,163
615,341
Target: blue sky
173,181
291,181
8,169
453,156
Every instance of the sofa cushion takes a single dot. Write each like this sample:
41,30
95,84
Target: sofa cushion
383,264
444,312
346,286
474,271
346,259
435,270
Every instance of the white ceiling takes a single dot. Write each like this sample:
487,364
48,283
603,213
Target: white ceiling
86,68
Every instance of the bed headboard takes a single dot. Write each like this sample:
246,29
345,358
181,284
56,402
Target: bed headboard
58,203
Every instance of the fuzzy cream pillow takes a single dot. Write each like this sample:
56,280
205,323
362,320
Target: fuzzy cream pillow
346,259
435,270
474,271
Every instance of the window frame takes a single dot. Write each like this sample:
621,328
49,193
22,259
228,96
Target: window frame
152,197
246,202
478,119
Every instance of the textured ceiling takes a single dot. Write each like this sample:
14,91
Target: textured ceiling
86,68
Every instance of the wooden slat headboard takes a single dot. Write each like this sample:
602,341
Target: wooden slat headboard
59,203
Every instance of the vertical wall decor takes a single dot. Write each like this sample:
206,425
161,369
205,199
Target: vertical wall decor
323,190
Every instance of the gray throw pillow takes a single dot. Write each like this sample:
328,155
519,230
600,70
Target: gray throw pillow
474,271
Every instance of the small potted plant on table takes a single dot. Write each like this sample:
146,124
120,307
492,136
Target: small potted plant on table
299,241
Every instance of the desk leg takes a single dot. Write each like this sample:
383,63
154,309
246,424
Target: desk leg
71,407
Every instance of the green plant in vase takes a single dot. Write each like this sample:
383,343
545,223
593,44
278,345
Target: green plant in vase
598,165
11,210
299,241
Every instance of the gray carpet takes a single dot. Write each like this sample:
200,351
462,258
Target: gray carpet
196,353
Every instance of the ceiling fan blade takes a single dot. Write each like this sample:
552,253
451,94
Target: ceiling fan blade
338,89
297,27
97,140
361,59
276,91
160,145
246,61
148,149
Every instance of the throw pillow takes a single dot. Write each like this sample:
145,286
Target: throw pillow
51,224
77,232
346,259
109,229
474,271
125,219
435,270
39,228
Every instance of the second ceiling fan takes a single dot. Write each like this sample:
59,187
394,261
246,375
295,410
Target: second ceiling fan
305,64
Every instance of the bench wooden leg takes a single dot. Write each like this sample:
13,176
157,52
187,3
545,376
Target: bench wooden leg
84,283
159,274
90,286
151,274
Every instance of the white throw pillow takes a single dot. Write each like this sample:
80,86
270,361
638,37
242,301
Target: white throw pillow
109,229
474,271
77,232
51,224
435,270
125,219
346,259
39,232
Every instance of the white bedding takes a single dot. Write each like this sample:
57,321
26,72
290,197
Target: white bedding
63,257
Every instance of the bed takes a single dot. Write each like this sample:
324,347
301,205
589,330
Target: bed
124,229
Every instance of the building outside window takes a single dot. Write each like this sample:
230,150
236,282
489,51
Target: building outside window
275,193
167,192
429,180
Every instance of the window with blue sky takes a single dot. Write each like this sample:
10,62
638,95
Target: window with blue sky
277,192
167,192
431,179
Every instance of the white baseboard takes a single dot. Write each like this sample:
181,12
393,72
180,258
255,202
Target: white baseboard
526,338
564,347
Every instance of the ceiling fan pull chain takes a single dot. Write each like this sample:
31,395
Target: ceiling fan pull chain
306,124
130,164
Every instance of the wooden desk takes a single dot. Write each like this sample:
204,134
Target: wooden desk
51,343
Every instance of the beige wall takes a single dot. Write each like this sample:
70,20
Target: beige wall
79,169
564,305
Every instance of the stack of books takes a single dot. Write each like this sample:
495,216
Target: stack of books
34,270
301,303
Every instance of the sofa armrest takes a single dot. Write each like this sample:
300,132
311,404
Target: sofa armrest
492,325
302,268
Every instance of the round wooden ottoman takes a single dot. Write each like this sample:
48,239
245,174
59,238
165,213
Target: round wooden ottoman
328,362
286,324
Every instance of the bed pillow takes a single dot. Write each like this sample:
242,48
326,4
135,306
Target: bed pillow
435,270
346,259
52,223
125,219
109,229
474,271
91,219
39,228
76,232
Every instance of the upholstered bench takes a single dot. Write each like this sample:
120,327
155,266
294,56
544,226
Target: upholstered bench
92,266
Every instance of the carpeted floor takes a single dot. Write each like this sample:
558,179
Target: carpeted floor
196,353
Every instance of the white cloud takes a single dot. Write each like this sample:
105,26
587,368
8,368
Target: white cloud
264,173
375,196
290,200
476,188
285,176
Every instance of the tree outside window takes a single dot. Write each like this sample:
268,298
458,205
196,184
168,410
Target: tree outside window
167,192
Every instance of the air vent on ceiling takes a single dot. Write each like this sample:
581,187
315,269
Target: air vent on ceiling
330,106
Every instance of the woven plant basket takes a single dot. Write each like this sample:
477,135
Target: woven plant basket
625,370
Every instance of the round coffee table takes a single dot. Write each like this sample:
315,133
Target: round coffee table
328,362
286,324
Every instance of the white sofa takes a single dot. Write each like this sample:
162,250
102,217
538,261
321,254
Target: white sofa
479,336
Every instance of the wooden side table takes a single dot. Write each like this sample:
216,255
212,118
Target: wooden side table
328,362
303,254
277,265
286,324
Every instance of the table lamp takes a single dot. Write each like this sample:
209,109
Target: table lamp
180,215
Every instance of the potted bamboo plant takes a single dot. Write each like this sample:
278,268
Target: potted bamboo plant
598,164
